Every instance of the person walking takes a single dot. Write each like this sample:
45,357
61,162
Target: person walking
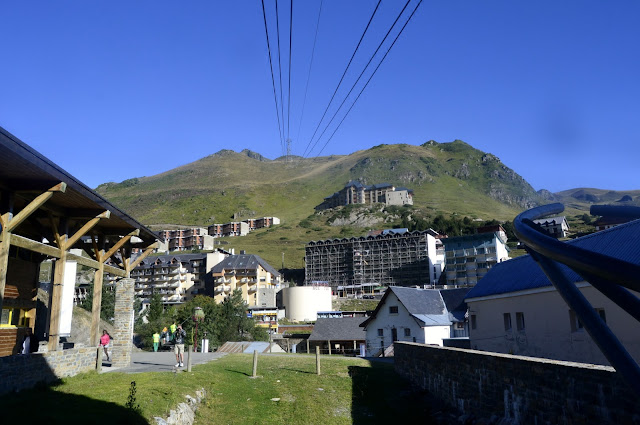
105,341
165,335
156,342
180,334
172,328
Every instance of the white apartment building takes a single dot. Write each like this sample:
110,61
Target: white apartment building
470,257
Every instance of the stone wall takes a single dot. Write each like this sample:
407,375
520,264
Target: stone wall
517,389
25,371
123,324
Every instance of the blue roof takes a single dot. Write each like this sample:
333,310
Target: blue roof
523,273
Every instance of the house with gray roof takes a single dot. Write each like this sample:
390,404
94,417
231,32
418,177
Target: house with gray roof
515,308
338,335
554,226
426,316
257,279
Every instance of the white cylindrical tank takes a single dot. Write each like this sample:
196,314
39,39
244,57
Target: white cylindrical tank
302,303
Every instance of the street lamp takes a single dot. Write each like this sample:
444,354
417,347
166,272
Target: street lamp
198,316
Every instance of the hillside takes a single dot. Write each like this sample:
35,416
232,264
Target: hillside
448,178
580,199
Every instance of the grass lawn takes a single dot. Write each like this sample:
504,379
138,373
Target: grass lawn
349,390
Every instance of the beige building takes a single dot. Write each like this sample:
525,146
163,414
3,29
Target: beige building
177,278
356,193
515,309
249,273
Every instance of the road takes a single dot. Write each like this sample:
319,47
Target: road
164,361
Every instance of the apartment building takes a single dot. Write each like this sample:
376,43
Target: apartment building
391,258
470,257
177,278
256,278
187,239
356,193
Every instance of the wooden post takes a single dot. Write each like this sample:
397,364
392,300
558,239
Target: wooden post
94,335
255,364
56,297
329,345
4,261
308,352
99,360
287,345
189,349
318,359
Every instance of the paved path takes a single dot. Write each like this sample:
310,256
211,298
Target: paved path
144,361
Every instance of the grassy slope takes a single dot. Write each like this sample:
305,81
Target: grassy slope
350,390
452,178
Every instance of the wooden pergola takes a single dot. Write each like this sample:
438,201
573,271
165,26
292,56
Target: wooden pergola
43,209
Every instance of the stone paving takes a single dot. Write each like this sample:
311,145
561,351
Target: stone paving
162,361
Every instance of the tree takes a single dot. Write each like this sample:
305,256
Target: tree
108,303
155,307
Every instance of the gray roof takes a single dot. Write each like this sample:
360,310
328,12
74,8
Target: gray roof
551,220
344,329
428,306
244,262
523,273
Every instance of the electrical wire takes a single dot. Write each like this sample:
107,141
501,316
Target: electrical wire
369,80
273,82
361,74
289,90
342,78
280,68
313,50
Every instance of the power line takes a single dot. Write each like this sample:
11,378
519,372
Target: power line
273,83
342,78
360,76
279,68
313,50
369,80
289,90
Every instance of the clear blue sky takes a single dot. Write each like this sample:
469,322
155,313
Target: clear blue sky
120,89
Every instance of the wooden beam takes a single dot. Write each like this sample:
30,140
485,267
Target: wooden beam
144,255
120,243
34,205
88,226
52,251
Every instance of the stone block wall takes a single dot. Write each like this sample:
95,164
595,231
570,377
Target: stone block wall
518,389
25,371
122,343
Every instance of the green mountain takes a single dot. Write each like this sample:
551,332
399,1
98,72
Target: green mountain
447,178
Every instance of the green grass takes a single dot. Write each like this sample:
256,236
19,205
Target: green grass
349,390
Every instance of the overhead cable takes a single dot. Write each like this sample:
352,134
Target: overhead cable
290,54
360,76
273,83
280,69
342,78
369,80
313,50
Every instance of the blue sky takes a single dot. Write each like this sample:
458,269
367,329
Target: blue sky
114,90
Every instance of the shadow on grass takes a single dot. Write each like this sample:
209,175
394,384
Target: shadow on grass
43,405
379,395
298,370
237,371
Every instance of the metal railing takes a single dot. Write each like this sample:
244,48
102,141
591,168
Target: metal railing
611,276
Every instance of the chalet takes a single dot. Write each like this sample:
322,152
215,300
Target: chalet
554,226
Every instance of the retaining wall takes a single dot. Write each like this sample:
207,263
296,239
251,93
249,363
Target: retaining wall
518,389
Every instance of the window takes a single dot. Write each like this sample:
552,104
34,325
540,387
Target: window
380,332
480,250
520,321
14,317
393,309
407,332
474,324
507,321
576,324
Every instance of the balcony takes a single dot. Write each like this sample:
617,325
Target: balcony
218,289
460,253
226,288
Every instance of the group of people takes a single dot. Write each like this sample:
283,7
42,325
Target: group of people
175,334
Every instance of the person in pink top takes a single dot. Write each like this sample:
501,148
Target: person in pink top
105,339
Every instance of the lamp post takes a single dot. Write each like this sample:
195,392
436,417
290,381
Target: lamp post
198,316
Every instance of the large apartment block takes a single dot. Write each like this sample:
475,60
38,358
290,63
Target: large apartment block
187,239
357,193
399,258
256,278
469,258
177,278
